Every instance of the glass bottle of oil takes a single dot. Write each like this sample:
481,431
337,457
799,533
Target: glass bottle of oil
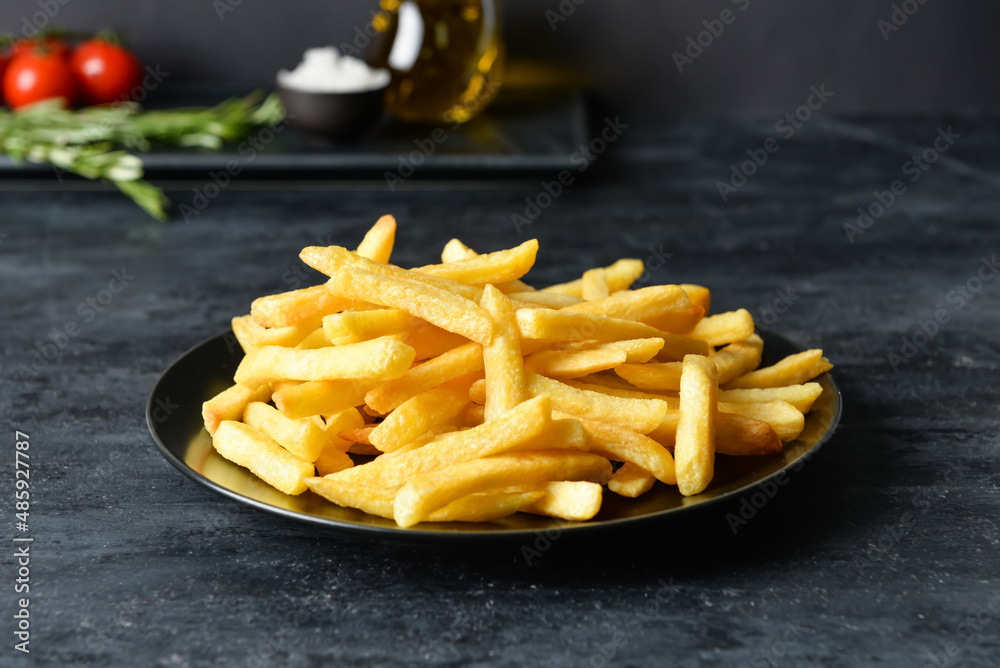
445,56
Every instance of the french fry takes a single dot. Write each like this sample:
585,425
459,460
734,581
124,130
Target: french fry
429,341
439,307
631,481
723,328
339,422
498,267
652,376
568,326
485,507
420,414
619,276
502,362
639,415
637,351
322,397
230,404
595,285
315,340
555,300
460,361
455,250
306,305
372,500
354,326
735,435
572,500
786,420
475,414
624,445
793,370
303,437
250,335
358,435
670,398
800,396
425,493
694,449
638,305
332,460
379,359
573,364
738,358
379,240
254,450
699,296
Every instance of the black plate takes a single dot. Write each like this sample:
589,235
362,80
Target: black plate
173,414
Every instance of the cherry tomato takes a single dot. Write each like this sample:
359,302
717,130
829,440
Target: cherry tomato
48,44
3,68
34,76
105,71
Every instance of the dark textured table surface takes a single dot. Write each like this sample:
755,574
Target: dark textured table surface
882,550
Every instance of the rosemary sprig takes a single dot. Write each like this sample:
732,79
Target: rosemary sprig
95,142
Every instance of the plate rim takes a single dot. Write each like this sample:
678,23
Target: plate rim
408,534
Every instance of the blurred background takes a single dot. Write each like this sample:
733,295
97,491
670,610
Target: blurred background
932,58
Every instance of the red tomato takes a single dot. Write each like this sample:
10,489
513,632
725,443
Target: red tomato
3,67
34,76
105,72
49,44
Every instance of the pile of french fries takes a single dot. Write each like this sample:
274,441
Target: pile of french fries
465,394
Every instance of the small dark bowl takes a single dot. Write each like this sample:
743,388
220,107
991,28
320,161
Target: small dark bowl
338,117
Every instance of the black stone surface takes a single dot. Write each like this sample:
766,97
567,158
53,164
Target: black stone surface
883,550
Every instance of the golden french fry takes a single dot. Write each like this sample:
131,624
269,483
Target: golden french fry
421,413
455,250
652,376
595,285
800,396
619,276
502,362
738,358
631,481
637,351
254,450
379,240
554,300
251,335
475,414
624,445
786,420
694,449
422,495
354,326
329,259
460,361
379,359
485,507
793,370
439,307
699,296
574,363
723,328
498,267
564,325
669,397
230,404
306,305
322,397
334,424
303,437
572,500
640,415
638,305
315,340
372,500
735,435
332,460
358,435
